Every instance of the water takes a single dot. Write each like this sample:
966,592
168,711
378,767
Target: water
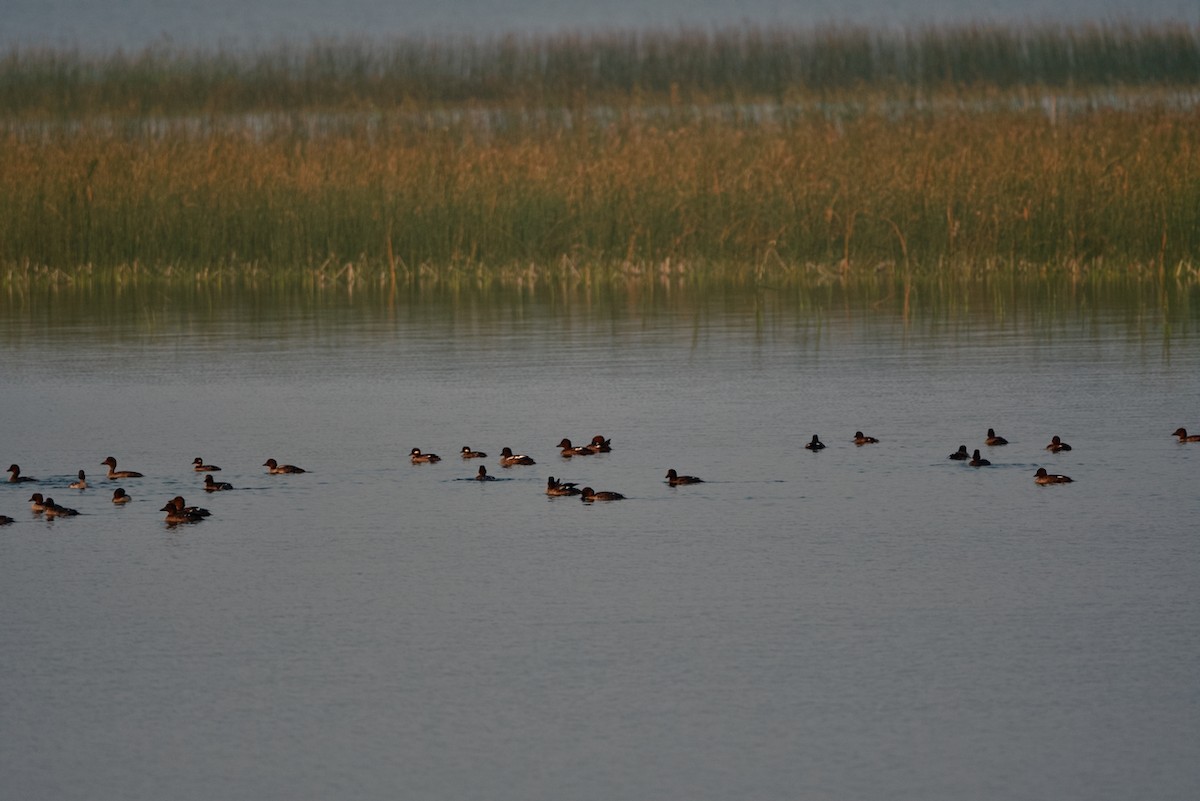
140,23
859,623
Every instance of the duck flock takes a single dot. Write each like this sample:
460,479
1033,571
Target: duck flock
179,512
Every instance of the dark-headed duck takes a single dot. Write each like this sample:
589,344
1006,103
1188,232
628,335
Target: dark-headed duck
113,472
482,475
960,454
508,458
81,483
674,479
212,485
37,503
467,453
57,510
275,468
1056,445
992,439
1182,433
1042,477
589,494
815,444
176,516
15,477
600,445
200,467
418,457
861,439
556,487
569,450
181,506
977,460
121,496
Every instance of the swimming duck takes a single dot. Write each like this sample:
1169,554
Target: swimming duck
175,516
588,494
15,477
181,506
57,510
275,468
423,458
992,439
211,485
113,472
37,503
815,445
1042,477
600,445
508,458
960,454
5,520
977,461
1056,445
674,479
467,453
200,467
569,450
860,439
556,487
482,475
81,483
120,496
1182,433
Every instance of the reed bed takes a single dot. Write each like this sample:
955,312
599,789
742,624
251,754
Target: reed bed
954,190
730,65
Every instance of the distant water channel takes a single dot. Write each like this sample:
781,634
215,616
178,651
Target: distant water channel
859,623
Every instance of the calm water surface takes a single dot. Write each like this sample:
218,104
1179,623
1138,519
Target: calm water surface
861,623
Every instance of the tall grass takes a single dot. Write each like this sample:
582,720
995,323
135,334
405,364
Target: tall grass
734,64
962,188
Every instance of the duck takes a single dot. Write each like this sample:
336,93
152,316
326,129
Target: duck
960,454
1042,477
815,445
508,458
113,472
81,483
212,485
1056,445
120,496
15,477
992,439
37,503
600,445
556,487
200,467
5,520
181,506
275,468
675,480
482,475
467,453
569,450
977,460
860,439
588,494
176,516
57,510
423,458
1182,433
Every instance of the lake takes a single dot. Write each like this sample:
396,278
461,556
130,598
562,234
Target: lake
137,24
858,623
